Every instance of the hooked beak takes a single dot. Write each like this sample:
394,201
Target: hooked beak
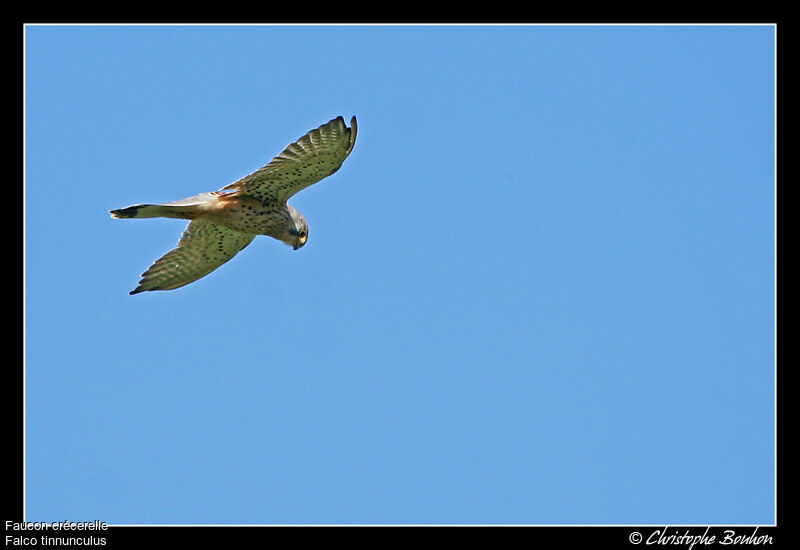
302,241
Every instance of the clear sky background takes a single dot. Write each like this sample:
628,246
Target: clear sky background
539,291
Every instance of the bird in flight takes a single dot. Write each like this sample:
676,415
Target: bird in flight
224,222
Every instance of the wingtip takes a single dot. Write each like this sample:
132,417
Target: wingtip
143,288
353,132
340,118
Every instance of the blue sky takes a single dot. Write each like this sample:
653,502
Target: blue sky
539,291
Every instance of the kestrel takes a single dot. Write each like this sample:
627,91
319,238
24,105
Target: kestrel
224,222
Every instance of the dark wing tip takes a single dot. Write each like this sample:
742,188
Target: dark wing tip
353,132
140,288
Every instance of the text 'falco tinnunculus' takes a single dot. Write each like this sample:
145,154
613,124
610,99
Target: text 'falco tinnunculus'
224,222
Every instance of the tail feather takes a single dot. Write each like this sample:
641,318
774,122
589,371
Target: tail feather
186,209
139,211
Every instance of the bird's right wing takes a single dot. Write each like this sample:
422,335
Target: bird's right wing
315,156
203,247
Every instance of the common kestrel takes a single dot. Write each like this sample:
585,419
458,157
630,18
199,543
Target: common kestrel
224,222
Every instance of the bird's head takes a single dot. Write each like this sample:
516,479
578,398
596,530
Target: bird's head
297,237
296,231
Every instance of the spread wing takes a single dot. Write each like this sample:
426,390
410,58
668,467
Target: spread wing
203,247
314,156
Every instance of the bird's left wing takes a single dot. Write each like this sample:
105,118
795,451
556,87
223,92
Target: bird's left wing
314,156
203,247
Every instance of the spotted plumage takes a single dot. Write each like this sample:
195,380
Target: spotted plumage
224,222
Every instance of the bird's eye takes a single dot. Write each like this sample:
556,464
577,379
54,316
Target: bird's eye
302,234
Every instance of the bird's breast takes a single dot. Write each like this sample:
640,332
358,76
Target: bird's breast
249,215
